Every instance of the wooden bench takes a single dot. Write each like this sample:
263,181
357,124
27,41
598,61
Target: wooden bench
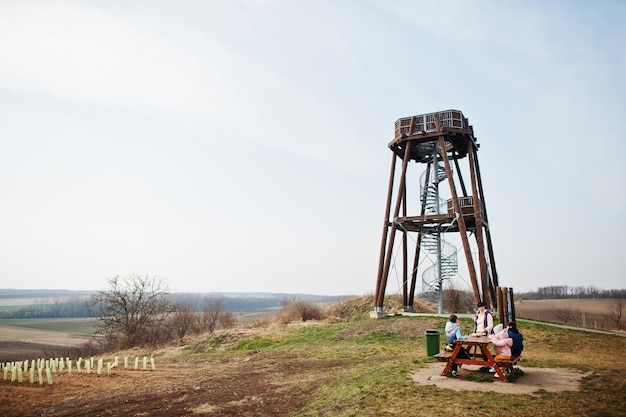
443,356
508,365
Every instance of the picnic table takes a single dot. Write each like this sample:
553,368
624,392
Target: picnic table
478,349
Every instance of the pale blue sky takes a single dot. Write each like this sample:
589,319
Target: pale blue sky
242,145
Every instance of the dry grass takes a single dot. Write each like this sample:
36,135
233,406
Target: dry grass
583,312
347,367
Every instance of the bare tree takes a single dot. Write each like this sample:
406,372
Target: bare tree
132,309
458,301
616,309
211,314
182,319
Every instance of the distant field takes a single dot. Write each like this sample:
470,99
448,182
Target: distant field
32,336
590,313
78,327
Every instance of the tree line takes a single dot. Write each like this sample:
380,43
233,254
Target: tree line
565,291
77,306
60,307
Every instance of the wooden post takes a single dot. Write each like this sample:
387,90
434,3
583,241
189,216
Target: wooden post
513,315
505,306
499,304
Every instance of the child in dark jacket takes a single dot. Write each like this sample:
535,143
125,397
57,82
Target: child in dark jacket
518,339
453,332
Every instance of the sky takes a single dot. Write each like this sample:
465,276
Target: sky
241,145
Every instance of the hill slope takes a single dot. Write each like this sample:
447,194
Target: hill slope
331,368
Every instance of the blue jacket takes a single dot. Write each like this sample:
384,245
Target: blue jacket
518,343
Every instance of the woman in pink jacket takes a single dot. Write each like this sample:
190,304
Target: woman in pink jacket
502,345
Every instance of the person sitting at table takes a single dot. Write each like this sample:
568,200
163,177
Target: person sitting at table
518,340
502,345
483,321
453,332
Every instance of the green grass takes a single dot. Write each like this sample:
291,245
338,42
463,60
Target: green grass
379,362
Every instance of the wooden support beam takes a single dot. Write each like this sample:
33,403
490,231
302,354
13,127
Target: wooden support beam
478,231
381,259
405,252
492,259
419,238
460,220
383,281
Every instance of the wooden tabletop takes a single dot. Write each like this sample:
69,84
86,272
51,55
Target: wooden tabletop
474,340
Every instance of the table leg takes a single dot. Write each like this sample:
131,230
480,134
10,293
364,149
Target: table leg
455,353
493,363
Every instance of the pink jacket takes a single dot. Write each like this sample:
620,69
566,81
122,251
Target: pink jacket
502,343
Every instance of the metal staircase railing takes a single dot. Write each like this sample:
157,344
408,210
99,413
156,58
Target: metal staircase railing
448,262
433,243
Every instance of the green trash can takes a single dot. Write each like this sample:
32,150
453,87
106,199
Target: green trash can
432,342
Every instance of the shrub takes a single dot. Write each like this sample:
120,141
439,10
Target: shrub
299,310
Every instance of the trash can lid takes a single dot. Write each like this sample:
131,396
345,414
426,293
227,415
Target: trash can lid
431,331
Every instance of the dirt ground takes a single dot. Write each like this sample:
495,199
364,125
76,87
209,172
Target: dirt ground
20,342
533,380
256,384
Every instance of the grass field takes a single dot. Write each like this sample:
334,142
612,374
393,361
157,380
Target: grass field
360,367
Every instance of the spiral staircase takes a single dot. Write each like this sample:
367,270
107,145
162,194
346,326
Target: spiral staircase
445,264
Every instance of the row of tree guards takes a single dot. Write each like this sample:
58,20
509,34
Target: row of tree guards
21,371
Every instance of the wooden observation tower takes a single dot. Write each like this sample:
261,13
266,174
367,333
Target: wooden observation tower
447,198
